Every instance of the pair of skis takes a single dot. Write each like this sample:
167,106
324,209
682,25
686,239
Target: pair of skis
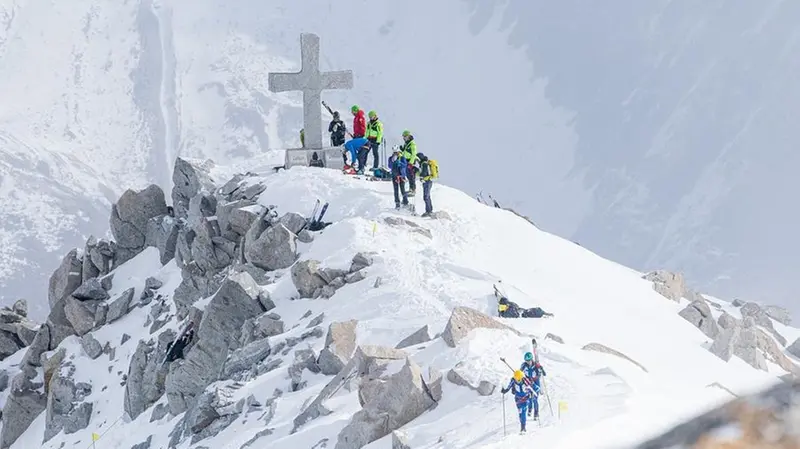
312,218
481,200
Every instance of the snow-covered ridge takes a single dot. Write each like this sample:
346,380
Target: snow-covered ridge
377,330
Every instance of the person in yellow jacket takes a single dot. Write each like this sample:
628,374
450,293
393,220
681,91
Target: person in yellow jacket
409,151
374,135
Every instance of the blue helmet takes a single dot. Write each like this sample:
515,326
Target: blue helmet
528,356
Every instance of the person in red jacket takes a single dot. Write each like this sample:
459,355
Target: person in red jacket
359,122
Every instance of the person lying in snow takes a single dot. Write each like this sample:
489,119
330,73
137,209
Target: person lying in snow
509,309
533,371
522,396
175,352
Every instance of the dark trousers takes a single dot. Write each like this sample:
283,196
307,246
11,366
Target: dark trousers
412,178
363,152
426,195
375,146
399,188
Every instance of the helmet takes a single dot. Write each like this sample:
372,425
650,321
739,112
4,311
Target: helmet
373,114
528,356
354,108
406,133
335,114
518,375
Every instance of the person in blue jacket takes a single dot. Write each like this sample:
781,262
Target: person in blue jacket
522,395
352,146
533,371
399,166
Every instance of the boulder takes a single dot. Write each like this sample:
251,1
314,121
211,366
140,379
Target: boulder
58,323
218,335
667,284
147,374
761,318
66,278
91,290
20,307
190,177
245,358
554,337
259,275
81,314
65,407
726,321
25,402
779,314
307,278
275,249
209,252
403,397
39,346
605,349
354,277
120,305
340,343
794,348
152,283
91,346
203,205
746,346
129,217
263,326
724,345
462,376
162,233
699,314
9,344
293,222
98,258
421,335
463,320
737,303
193,288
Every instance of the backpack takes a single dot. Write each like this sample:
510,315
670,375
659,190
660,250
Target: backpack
434,167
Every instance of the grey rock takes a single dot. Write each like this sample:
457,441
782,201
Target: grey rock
81,314
260,434
236,216
726,321
399,440
23,405
98,258
779,314
421,335
245,358
327,292
361,261
316,321
554,337
152,283
20,307
107,281
189,177
597,347
145,444
3,380
66,278
120,305
463,320
259,275
354,277
91,290
147,375
219,333
202,205
91,346
794,348
305,236
725,344
293,222
101,314
193,288
265,301
39,346
65,409
26,331
337,283
746,346
340,343
461,376
209,256
760,317
9,344
667,284
59,325
274,249
307,278
737,303
304,359
162,233
263,326
125,337
329,275
699,314
129,217
159,412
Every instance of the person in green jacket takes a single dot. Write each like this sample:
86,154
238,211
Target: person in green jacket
409,150
374,136
303,137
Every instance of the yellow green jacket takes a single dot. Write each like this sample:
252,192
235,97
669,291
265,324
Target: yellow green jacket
410,151
374,130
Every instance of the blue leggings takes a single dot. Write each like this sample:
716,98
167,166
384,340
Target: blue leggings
522,408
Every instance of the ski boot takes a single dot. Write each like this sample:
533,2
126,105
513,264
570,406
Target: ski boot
536,417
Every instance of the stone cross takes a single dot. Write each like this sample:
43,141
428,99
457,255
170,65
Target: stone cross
311,82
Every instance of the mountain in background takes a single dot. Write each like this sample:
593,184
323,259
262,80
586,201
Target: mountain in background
656,134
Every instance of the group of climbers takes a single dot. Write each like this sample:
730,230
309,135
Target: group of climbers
526,387
403,165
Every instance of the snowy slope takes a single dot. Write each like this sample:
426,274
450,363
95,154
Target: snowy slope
610,401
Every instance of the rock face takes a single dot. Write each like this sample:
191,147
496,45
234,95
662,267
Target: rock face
463,320
65,407
147,375
401,398
274,249
761,318
16,331
724,345
779,314
340,343
312,281
162,233
794,348
699,314
219,334
98,258
667,284
66,278
24,403
753,345
129,217
189,177
767,419
420,336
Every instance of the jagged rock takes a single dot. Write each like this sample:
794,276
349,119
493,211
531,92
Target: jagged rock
761,318
59,325
147,374
65,407
326,292
463,320
421,335
726,321
107,281
162,233
152,283
129,218
159,412
274,249
189,177
746,346
554,337
340,343
81,314
293,222
303,359
20,307
699,314
462,376
25,331
245,358
125,337
183,246
259,275
193,288
202,205
403,398
39,346
235,217
605,349
725,344
91,346
779,314
794,348
213,411
66,278
120,305
3,380
218,335
667,284
9,344
208,252
101,314
361,261
354,277
91,290
399,440
316,321
263,326
265,301
24,404
330,275
98,258
307,278
737,303
143,445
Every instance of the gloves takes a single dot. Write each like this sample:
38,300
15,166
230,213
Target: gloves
503,390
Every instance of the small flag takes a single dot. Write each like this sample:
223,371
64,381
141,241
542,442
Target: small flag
374,228
562,406
95,436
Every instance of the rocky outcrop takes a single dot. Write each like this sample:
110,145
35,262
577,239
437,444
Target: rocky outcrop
218,335
794,348
66,278
767,419
98,258
760,317
129,217
779,314
420,336
162,233
16,330
119,306
699,314
273,249
66,409
726,321
147,374
401,398
462,376
340,343
670,285
24,404
263,326
189,177
724,345
410,225
597,347
463,320
753,345
91,346
312,281
212,413
245,358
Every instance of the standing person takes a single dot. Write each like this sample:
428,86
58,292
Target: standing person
303,137
428,171
374,135
359,123
336,127
398,165
410,154
533,370
522,393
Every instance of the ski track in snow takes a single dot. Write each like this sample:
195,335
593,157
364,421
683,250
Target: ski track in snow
610,401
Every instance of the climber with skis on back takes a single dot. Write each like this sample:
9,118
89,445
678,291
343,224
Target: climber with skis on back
409,150
175,349
399,167
428,171
336,127
533,370
522,394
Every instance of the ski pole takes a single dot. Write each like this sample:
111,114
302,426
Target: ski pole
503,399
535,347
